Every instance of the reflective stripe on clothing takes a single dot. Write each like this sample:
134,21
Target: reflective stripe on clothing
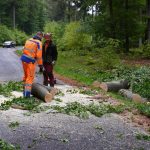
27,84
38,44
27,59
33,51
30,50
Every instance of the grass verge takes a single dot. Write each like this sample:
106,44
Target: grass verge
84,69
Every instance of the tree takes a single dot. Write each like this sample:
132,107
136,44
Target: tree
148,20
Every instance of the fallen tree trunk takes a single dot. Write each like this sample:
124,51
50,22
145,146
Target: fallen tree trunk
132,96
96,84
50,89
42,92
114,85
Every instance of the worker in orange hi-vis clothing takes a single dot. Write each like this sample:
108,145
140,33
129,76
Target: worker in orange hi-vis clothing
32,53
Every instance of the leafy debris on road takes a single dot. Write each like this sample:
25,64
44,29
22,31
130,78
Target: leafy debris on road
6,89
6,146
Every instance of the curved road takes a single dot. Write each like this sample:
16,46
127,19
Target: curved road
10,65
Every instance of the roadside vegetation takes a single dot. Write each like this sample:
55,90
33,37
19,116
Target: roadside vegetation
6,146
74,108
8,34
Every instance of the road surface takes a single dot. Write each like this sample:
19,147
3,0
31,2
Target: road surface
55,131
10,65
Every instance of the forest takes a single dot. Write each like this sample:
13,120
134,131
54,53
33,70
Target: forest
94,37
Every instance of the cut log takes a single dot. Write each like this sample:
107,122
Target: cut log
50,89
132,96
96,84
114,85
42,92
15,106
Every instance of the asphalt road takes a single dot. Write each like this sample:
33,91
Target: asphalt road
54,131
10,65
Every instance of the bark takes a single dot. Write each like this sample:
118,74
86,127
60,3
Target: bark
148,21
14,16
126,30
132,96
140,39
112,26
42,92
114,86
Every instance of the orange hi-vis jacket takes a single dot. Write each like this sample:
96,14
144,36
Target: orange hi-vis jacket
32,51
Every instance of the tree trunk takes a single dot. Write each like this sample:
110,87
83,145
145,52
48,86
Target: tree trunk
148,21
140,39
127,43
68,10
126,29
140,42
14,16
132,96
42,92
114,86
112,27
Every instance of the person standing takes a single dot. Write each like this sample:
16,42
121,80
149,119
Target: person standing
32,54
49,55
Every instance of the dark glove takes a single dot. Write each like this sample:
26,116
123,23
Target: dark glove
41,68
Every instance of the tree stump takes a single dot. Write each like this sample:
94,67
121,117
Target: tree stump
114,86
43,92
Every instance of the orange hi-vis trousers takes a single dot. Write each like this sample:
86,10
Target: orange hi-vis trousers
29,73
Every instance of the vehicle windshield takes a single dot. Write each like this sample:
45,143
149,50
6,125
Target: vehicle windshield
7,42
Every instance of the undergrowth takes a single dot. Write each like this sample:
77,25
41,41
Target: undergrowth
7,88
86,69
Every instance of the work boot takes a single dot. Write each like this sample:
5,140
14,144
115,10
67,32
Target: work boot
54,80
52,85
26,94
45,83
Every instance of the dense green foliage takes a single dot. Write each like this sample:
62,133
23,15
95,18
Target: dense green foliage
74,38
126,21
146,50
20,37
6,34
15,35
56,28
27,15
